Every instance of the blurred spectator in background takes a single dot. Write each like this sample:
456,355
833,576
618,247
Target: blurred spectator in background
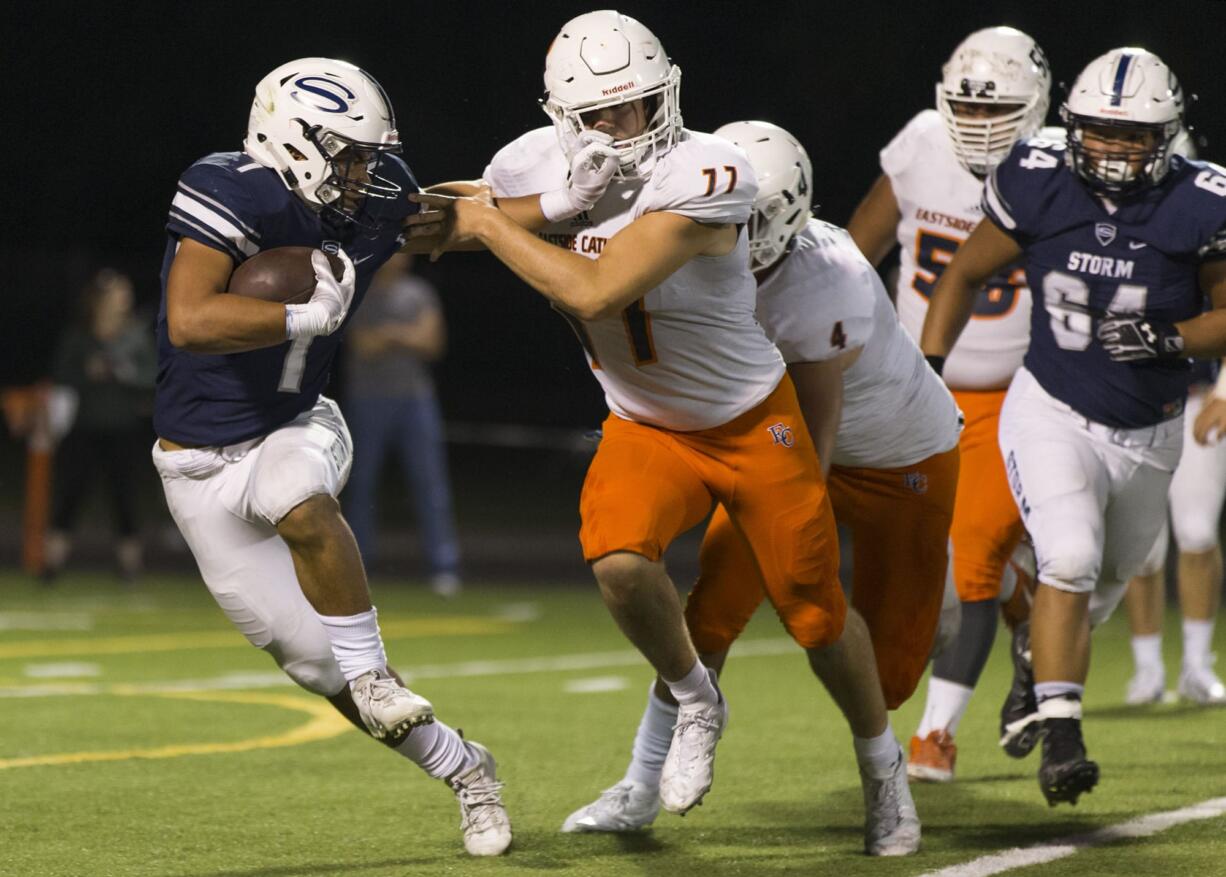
394,336
106,363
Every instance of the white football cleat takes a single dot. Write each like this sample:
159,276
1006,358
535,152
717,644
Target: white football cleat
1202,685
689,768
627,806
388,709
891,825
483,817
1147,685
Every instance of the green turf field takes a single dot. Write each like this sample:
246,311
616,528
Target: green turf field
178,755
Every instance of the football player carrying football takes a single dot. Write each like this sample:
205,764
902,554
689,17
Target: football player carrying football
993,90
1121,238
251,456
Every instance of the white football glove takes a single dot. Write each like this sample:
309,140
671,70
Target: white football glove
590,171
329,304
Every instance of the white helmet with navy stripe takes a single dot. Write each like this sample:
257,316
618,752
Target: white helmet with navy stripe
785,187
603,59
994,90
1133,91
323,125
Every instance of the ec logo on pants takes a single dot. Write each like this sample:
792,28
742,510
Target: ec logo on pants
782,434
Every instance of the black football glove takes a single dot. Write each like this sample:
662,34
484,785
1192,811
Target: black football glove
1133,337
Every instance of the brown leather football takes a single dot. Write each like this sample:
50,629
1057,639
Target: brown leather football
283,274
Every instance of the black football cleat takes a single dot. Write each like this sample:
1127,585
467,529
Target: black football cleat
1019,715
1065,772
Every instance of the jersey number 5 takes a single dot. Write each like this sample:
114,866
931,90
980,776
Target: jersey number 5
933,252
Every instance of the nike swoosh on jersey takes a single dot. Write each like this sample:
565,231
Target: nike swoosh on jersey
1136,245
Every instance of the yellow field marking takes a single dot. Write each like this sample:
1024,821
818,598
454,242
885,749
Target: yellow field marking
324,724
407,628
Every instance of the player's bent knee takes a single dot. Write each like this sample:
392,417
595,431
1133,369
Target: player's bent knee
622,571
1196,535
1072,567
283,484
318,674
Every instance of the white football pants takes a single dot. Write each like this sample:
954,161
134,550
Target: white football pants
227,502
1093,497
1196,496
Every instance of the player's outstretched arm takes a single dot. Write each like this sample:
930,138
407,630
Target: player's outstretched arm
985,252
634,261
201,318
875,223
819,389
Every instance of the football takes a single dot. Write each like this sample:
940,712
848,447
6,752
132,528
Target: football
283,274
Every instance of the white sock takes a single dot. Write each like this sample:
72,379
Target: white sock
356,643
878,755
1055,690
694,687
1147,651
1197,640
437,749
651,741
947,702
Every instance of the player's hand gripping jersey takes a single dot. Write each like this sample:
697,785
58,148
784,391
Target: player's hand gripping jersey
824,299
938,200
689,355
1086,258
230,203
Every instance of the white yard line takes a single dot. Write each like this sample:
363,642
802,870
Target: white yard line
1024,857
471,669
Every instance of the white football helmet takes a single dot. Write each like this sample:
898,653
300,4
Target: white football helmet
1133,90
324,125
998,67
602,59
785,187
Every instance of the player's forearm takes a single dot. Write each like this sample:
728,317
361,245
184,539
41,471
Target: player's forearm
571,281
819,389
1204,337
224,323
949,310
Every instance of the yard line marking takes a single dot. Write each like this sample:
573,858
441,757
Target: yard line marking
1023,857
325,723
596,685
46,621
405,628
62,670
766,647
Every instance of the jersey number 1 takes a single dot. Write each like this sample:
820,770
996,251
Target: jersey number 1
295,365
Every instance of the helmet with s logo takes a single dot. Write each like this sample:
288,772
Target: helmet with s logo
324,126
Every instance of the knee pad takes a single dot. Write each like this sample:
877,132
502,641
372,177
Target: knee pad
1071,564
319,674
309,456
1194,533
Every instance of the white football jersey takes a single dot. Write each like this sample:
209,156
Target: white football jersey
690,354
938,201
825,299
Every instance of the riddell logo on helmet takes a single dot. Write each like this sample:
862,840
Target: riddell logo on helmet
617,89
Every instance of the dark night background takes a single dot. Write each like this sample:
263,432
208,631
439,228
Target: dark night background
104,107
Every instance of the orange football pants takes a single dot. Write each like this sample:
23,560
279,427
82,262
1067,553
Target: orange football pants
987,525
648,485
899,521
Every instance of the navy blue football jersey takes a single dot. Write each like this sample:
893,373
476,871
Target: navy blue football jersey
229,202
1084,259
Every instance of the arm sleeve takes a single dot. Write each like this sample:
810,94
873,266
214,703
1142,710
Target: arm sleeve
212,207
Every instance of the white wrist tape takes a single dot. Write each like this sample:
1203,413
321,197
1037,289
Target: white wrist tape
556,205
305,321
